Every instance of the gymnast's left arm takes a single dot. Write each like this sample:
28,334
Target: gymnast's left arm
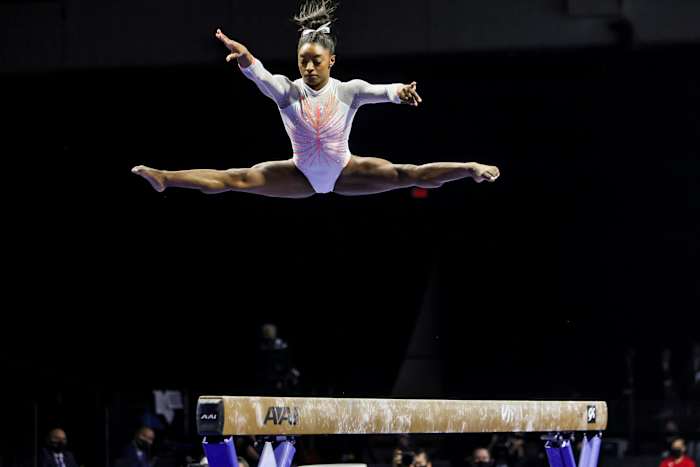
365,93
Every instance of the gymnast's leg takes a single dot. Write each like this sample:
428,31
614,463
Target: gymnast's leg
280,179
369,175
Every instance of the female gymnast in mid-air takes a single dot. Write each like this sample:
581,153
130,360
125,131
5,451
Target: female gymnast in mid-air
317,112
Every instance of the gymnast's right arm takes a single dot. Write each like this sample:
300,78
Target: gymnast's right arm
276,87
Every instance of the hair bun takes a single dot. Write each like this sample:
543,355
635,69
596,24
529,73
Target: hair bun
315,13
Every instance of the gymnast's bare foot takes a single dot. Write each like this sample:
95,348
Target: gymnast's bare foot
481,172
154,177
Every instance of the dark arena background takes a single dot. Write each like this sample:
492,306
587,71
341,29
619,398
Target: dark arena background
576,275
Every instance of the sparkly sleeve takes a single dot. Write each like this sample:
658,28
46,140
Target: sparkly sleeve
365,93
276,87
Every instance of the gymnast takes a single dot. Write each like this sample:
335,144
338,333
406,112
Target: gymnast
317,112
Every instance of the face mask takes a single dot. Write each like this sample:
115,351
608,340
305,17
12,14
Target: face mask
676,453
57,447
142,445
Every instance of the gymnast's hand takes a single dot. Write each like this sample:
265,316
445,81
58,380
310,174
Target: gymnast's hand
408,94
238,51
488,173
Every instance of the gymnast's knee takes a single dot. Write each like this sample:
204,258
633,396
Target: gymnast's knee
245,179
415,175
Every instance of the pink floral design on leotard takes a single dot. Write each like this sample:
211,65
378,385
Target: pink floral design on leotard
327,135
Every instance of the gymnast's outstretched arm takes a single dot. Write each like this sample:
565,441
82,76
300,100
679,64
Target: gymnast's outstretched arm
362,93
279,88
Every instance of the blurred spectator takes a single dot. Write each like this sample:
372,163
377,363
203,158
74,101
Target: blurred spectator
277,376
246,447
421,459
403,453
481,458
516,448
500,449
677,455
404,443
55,453
138,453
507,450
396,458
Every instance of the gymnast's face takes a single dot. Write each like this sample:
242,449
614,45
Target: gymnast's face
315,62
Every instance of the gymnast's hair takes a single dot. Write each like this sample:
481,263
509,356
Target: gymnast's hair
312,15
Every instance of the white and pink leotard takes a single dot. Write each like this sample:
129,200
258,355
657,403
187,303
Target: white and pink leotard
319,122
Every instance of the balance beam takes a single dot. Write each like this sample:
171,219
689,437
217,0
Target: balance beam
235,415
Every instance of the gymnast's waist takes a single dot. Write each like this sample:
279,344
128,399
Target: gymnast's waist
322,158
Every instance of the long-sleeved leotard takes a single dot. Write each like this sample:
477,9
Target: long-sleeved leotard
319,122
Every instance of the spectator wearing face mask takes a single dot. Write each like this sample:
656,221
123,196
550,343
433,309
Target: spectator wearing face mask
138,451
677,455
56,454
481,458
